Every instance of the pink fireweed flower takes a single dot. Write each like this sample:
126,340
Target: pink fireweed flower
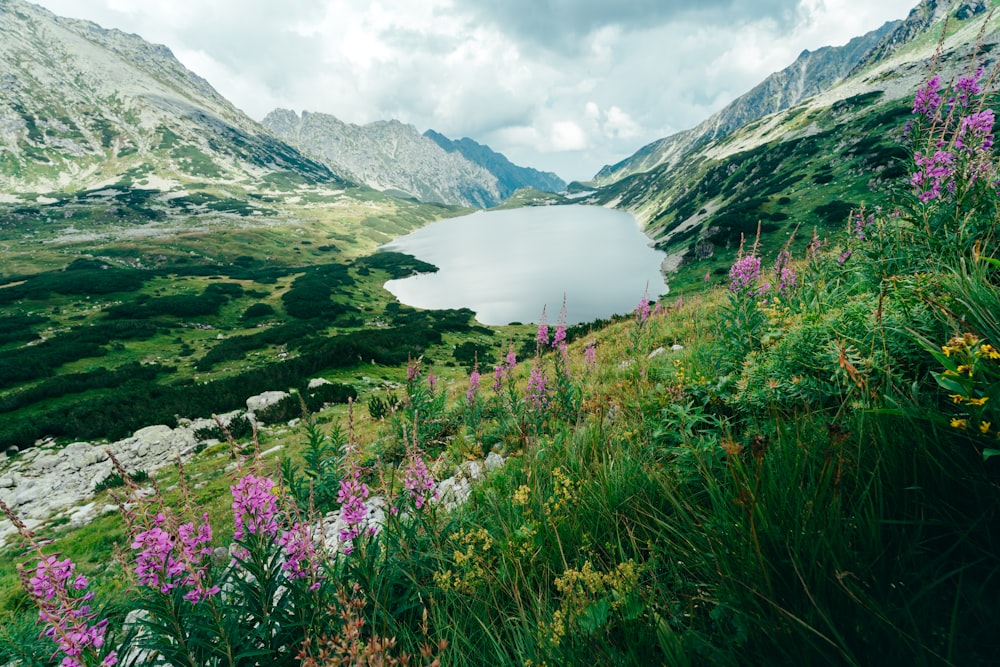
861,224
928,98
470,393
744,274
966,87
419,482
412,370
934,171
542,338
301,561
708,277
155,564
784,274
538,391
590,355
511,359
195,544
66,614
255,507
642,310
352,496
499,373
559,340
432,382
975,132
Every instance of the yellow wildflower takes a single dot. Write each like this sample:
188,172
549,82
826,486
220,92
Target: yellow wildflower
978,401
965,368
958,423
984,427
987,350
946,350
956,398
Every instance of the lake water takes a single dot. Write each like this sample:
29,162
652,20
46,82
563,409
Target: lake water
507,265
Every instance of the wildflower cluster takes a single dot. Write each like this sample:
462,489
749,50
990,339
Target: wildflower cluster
419,482
64,604
353,511
971,375
64,609
504,370
953,137
168,559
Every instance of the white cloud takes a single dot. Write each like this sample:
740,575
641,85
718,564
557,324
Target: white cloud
567,136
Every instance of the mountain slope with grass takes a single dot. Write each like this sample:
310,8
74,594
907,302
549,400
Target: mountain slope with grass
83,107
802,169
811,73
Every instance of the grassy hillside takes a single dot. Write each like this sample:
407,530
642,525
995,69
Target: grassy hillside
799,467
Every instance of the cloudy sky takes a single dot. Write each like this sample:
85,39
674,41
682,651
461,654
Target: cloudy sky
560,85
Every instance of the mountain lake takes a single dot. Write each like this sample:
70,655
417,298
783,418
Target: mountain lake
507,265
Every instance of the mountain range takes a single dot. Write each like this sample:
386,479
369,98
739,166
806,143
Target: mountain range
393,157
82,107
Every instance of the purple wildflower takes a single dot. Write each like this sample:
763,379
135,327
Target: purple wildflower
708,276
928,100
642,310
419,482
470,393
861,224
538,391
195,549
300,554
784,273
498,376
155,565
934,171
352,496
844,256
412,370
590,355
65,613
432,382
542,339
744,274
966,87
812,250
254,506
975,132
511,358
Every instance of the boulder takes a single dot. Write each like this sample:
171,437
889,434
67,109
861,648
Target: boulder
265,400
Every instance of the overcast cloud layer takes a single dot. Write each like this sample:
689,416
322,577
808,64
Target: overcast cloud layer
559,85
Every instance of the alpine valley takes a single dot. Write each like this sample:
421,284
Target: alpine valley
791,460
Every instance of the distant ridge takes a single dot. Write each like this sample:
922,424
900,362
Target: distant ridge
389,156
510,176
